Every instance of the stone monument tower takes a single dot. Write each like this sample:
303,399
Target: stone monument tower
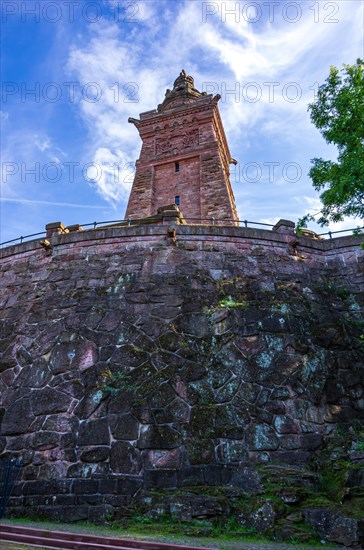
184,158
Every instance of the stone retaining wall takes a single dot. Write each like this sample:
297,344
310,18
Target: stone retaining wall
161,357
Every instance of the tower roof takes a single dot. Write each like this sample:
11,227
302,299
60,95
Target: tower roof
183,92
183,80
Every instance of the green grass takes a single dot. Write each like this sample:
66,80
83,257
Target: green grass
162,530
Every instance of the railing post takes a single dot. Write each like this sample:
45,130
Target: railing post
246,223
212,220
330,234
95,224
129,221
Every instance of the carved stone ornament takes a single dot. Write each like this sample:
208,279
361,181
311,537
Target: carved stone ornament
163,145
190,138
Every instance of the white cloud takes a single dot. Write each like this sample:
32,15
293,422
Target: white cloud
271,221
45,143
115,174
42,144
127,89
227,53
278,52
48,203
24,155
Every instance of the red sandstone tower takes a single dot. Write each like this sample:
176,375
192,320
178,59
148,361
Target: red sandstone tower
184,158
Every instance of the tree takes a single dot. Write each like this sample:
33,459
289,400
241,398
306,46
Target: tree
338,113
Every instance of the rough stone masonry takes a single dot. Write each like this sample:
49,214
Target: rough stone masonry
190,371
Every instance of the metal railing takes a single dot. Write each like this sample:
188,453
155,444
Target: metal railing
212,221
9,473
357,230
23,238
222,221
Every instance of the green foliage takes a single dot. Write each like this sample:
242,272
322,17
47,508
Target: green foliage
137,518
358,231
230,528
339,115
357,428
333,480
331,287
117,382
229,302
226,528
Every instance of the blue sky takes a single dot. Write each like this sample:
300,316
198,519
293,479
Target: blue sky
74,71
